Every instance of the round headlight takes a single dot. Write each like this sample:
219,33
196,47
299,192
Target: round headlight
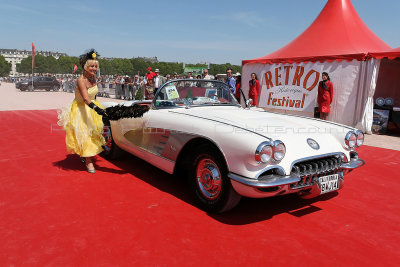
360,138
264,152
279,150
351,139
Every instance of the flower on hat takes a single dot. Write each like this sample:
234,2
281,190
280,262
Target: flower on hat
94,55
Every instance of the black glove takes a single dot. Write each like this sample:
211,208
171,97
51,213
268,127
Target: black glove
98,110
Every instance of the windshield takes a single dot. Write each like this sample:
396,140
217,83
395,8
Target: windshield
192,92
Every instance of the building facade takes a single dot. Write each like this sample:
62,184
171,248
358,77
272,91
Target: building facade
15,56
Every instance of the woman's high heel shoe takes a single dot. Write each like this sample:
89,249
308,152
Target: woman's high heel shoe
91,170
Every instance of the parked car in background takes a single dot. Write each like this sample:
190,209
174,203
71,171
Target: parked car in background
39,82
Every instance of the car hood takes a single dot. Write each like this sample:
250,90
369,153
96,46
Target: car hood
290,129
262,122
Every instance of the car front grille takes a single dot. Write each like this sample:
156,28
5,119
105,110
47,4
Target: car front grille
311,169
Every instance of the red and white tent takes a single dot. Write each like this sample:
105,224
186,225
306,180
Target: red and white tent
337,42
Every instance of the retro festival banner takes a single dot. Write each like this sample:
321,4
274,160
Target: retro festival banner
290,86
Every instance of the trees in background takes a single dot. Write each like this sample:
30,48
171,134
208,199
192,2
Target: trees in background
120,66
5,67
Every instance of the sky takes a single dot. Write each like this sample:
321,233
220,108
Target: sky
218,31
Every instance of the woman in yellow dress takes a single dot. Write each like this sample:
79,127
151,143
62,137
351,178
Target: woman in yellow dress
82,119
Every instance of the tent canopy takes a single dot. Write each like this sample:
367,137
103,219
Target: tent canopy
391,54
338,33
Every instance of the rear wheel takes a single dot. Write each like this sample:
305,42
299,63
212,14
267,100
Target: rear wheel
56,88
209,181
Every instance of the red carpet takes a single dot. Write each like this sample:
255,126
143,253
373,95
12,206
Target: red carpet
52,212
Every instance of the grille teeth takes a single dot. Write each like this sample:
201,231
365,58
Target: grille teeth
310,170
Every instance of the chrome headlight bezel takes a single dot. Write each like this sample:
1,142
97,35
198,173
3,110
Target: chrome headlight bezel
279,147
359,138
270,150
264,147
350,139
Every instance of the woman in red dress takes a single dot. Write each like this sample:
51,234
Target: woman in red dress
254,90
325,96
238,79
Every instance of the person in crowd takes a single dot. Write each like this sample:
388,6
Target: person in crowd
230,81
122,82
190,75
149,90
198,77
175,76
142,85
167,77
205,75
118,87
238,79
128,87
325,96
82,119
158,80
254,89
150,74
136,85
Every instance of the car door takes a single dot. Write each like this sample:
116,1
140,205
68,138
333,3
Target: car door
48,81
40,83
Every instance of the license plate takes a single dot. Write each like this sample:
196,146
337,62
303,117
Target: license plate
329,183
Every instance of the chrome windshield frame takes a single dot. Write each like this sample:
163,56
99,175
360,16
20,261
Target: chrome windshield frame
154,106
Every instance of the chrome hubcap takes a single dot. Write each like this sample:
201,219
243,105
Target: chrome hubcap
107,137
209,179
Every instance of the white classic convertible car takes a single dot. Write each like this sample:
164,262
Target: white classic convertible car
197,129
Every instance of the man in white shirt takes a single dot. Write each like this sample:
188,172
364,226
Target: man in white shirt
205,75
158,80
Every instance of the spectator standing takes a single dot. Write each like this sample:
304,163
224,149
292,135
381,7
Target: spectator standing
190,75
254,89
158,80
238,78
122,82
230,81
205,75
150,75
135,86
325,96
118,87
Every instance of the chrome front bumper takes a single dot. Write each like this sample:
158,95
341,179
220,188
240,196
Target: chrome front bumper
273,185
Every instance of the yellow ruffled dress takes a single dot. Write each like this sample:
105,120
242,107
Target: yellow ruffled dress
83,126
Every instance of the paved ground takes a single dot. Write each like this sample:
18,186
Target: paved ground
54,213
13,99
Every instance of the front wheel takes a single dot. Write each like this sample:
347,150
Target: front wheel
56,88
209,181
111,150
31,88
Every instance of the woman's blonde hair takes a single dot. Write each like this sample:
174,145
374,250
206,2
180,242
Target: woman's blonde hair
90,62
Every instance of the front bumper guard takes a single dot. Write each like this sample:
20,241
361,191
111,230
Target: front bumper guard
270,185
